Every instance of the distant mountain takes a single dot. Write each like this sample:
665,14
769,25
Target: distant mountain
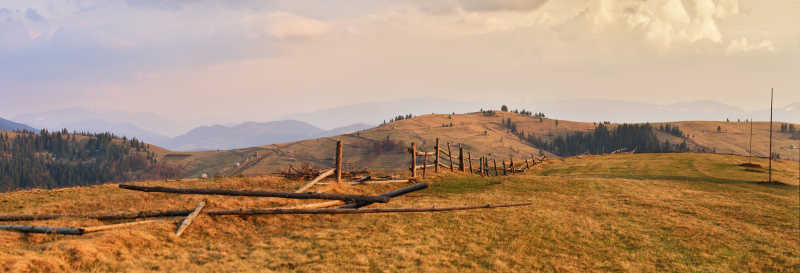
120,129
7,125
349,129
591,110
244,135
114,121
377,112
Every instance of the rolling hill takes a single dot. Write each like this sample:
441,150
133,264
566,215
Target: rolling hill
383,147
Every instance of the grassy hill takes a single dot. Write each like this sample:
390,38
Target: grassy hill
480,134
629,212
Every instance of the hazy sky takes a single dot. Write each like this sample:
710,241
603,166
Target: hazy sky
256,60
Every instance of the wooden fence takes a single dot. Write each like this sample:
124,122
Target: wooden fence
464,163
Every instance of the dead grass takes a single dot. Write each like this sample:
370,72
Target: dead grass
629,213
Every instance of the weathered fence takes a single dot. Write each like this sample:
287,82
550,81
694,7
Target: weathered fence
464,164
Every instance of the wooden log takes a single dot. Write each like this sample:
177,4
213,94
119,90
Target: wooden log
413,160
442,165
150,214
290,195
371,182
469,158
391,194
450,157
425,153
423,166
339,169
326,204
436,160
460,157
43,229
445,153
324,174
118,226
363,179
188,220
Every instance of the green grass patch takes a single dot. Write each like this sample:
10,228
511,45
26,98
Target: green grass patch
461,184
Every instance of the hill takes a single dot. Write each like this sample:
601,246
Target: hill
243,135
7,125
383,147
682,212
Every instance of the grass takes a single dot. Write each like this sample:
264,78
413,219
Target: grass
620,213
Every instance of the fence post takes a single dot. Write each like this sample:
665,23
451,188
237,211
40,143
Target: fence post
425,165
450,156
526,164
505,171
469,159
413,160
338,161
436,160
495,167
460,157
480,166
512,164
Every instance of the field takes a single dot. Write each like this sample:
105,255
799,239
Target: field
628,213
480,134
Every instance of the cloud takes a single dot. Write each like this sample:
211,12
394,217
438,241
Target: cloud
743,46
283,25
32,15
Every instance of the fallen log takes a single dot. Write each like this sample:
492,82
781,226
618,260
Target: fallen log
320,177
116,226
43,229
290,195
326,204
151,214
391,194
188,220
370,182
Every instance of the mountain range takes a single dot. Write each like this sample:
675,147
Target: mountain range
188,136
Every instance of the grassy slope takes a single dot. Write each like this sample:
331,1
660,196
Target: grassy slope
468,129
638,213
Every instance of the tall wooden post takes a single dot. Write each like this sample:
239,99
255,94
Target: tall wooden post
504,168
450,157
771,101
495,167
413,160
436,160
460,157
469,159
338,161
425,165
480,166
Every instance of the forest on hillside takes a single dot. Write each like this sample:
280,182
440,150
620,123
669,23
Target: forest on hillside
638,138
62,159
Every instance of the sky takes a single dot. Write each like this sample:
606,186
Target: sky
259,60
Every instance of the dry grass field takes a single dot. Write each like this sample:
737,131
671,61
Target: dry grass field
615,213
480,135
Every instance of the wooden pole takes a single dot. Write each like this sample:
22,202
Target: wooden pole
290,195
750,149
771,101
188,220
436,160
460,157
512,163
450,157
43,229
495,167
339,161
413,160
469,159
424,165
326,204
391,194
527,166
324,174
504,168
480,166
117,226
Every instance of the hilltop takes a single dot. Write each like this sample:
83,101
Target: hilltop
383,148
684,212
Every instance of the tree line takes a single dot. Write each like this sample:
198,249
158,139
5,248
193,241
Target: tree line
640,138
62,159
